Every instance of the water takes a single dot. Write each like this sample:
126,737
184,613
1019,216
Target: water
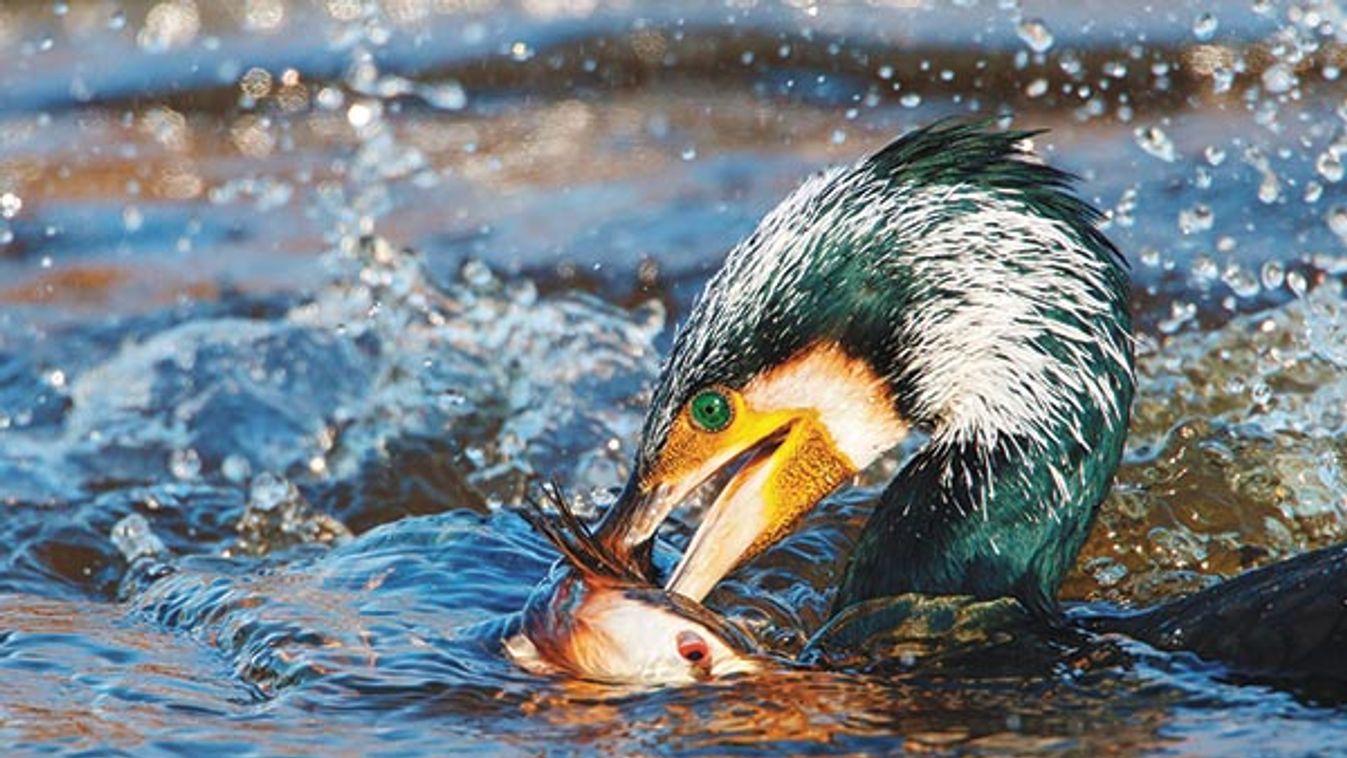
313,291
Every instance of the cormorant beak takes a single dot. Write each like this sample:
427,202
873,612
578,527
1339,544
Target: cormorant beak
769,468
781,477
797,432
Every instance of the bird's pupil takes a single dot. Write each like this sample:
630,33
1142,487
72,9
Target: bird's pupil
711,411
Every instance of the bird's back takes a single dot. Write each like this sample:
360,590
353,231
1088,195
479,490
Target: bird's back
1286,619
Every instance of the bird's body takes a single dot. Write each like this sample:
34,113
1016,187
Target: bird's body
950,283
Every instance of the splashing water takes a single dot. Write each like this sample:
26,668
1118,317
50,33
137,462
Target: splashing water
1236,446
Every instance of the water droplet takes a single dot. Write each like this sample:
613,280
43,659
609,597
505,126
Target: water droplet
1295,281
1199,218
1273,274
451,400
1265,114
10,205
476,273
910,100
1036,88
268,491
117,20
1036,34
330,98
236,468
1337,221
1270,189
1205,268
1214,155
134,539
1204,27
184,464
1154,141
79,89
1260,392
520,51
1329,165
1149,256
1180,313
256,83
839,136
360,115
1279,78
168,25
689,153
449,96
1241,282
132,219
1222,79
1313,191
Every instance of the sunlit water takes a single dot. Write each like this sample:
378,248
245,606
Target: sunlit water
330,431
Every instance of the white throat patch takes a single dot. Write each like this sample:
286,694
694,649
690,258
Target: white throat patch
852,402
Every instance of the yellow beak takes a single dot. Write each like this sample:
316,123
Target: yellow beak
775,467
776,458
766,497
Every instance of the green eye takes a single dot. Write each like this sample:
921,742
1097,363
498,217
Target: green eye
711,410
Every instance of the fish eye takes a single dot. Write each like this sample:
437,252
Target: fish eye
693,648
710,410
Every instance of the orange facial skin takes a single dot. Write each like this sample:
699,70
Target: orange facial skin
781,437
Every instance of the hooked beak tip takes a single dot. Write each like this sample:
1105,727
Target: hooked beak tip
633,519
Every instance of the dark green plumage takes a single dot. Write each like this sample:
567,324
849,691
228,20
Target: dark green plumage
991,539
989,518
948,150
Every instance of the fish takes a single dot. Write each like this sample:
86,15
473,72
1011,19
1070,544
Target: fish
596,617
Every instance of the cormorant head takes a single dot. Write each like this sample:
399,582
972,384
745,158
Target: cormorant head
949,282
